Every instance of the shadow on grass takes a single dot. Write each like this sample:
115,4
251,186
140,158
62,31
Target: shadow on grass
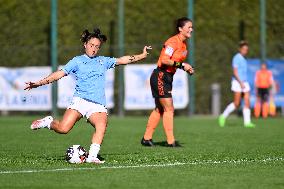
165,144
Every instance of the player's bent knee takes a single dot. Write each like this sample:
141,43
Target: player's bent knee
101,129
237,104
63,129
169,112
169,109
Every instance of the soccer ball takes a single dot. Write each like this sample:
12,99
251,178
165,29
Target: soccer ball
76,154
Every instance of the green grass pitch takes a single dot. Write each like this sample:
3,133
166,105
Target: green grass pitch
210,157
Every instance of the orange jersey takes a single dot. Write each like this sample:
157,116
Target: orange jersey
174,49
263,79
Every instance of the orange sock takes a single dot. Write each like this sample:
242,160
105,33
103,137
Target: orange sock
272,108
168,122
257,108
265,109
153,122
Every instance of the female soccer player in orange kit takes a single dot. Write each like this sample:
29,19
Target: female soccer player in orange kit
263,82
173,54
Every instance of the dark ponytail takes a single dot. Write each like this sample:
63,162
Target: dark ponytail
243,43
86,35
181,22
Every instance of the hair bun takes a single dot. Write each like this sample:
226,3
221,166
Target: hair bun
85,35
97,31
103,38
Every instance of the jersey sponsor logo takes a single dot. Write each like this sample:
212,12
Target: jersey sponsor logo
161,84
169,51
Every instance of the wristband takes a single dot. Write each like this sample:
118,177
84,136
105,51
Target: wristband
182,65
177,64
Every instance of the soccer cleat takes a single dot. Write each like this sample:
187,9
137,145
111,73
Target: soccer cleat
250,125
221,121
92,159
174,145
147,142
41,123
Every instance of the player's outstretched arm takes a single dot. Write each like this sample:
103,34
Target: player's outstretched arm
133,58
185,66
49,79
188,68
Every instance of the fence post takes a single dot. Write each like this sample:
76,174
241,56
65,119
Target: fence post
54,64
121,53
191,106
215,99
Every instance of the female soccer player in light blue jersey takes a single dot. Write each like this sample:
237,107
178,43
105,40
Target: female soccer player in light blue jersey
239,86
89,97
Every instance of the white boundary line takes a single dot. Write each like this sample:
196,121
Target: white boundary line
205,162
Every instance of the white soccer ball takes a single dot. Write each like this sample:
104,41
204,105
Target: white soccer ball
76,154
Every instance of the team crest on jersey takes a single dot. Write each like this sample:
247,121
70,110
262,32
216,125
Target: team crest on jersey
101,62
169,51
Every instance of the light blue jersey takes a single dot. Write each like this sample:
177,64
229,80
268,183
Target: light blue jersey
240,63
90,76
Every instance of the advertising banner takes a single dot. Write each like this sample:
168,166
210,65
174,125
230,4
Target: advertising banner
14,97
12,93
138,91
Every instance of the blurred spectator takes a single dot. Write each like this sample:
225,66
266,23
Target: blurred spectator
273,90
263,82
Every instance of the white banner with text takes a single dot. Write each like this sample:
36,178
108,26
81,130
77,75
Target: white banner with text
138,91
13,97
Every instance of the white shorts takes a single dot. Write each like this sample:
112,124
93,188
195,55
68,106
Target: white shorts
86,108
236,87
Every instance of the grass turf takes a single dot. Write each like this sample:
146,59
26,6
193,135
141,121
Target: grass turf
210,156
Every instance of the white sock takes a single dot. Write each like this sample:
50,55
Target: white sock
94,150
48,121
246,114
229,109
